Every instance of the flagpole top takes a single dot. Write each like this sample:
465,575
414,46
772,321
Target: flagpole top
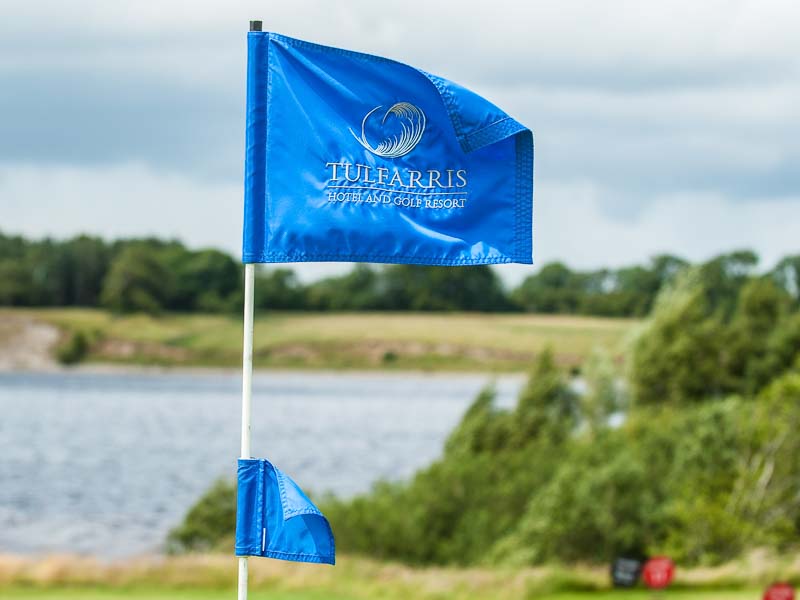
255,25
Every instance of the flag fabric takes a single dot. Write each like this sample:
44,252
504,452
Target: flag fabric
274,518
357,158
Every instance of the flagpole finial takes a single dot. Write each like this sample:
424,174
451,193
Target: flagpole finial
255,25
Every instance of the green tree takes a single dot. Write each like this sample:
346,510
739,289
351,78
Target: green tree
787,275
482,428
724,276
676,357
138,280
417,287
629,291
49,274
781,353
554,289
16,280
547,406
764,494
357,290
760,308
85,264
598,504
206,280
279,289
603,396
15,283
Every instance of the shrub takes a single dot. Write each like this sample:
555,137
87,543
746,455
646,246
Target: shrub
74,349
210,521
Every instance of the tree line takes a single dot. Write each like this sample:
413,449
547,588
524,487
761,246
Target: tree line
153,275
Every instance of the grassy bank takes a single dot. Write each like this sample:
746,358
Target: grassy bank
429,341
212,576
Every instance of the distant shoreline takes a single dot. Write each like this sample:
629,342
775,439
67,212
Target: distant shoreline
35,340
123,369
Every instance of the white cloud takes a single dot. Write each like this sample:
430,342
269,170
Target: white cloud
474,38
693,225
116,201
659,127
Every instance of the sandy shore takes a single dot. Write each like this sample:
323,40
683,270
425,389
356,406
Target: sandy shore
27,344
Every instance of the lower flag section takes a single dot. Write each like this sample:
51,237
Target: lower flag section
274,518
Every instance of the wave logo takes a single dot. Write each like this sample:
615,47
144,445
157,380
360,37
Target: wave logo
402,127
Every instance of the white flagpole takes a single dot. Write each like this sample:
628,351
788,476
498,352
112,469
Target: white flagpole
247,375
247,393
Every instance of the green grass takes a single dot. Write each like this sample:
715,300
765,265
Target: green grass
224,594
154,594
427,341
211,576
666,595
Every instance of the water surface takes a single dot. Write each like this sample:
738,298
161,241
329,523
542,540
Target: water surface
107,463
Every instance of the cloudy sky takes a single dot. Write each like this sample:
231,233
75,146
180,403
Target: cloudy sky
660,127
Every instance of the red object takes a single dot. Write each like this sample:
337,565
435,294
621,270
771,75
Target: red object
779,591
659,571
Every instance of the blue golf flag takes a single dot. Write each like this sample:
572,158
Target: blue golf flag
275,518
357,158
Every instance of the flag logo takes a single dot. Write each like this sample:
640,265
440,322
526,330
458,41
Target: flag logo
402,127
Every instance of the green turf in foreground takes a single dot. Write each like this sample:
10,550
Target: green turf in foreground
72,593
647,595
148,594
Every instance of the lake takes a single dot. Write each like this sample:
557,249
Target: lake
107,463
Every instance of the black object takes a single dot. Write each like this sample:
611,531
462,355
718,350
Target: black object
625,572
255,25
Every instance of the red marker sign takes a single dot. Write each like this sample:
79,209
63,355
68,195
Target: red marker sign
779,591
658,572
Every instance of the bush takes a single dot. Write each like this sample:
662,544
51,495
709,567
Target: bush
74,349
209,523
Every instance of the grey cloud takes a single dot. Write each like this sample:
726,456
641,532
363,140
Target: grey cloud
108,116
638,142
638,102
